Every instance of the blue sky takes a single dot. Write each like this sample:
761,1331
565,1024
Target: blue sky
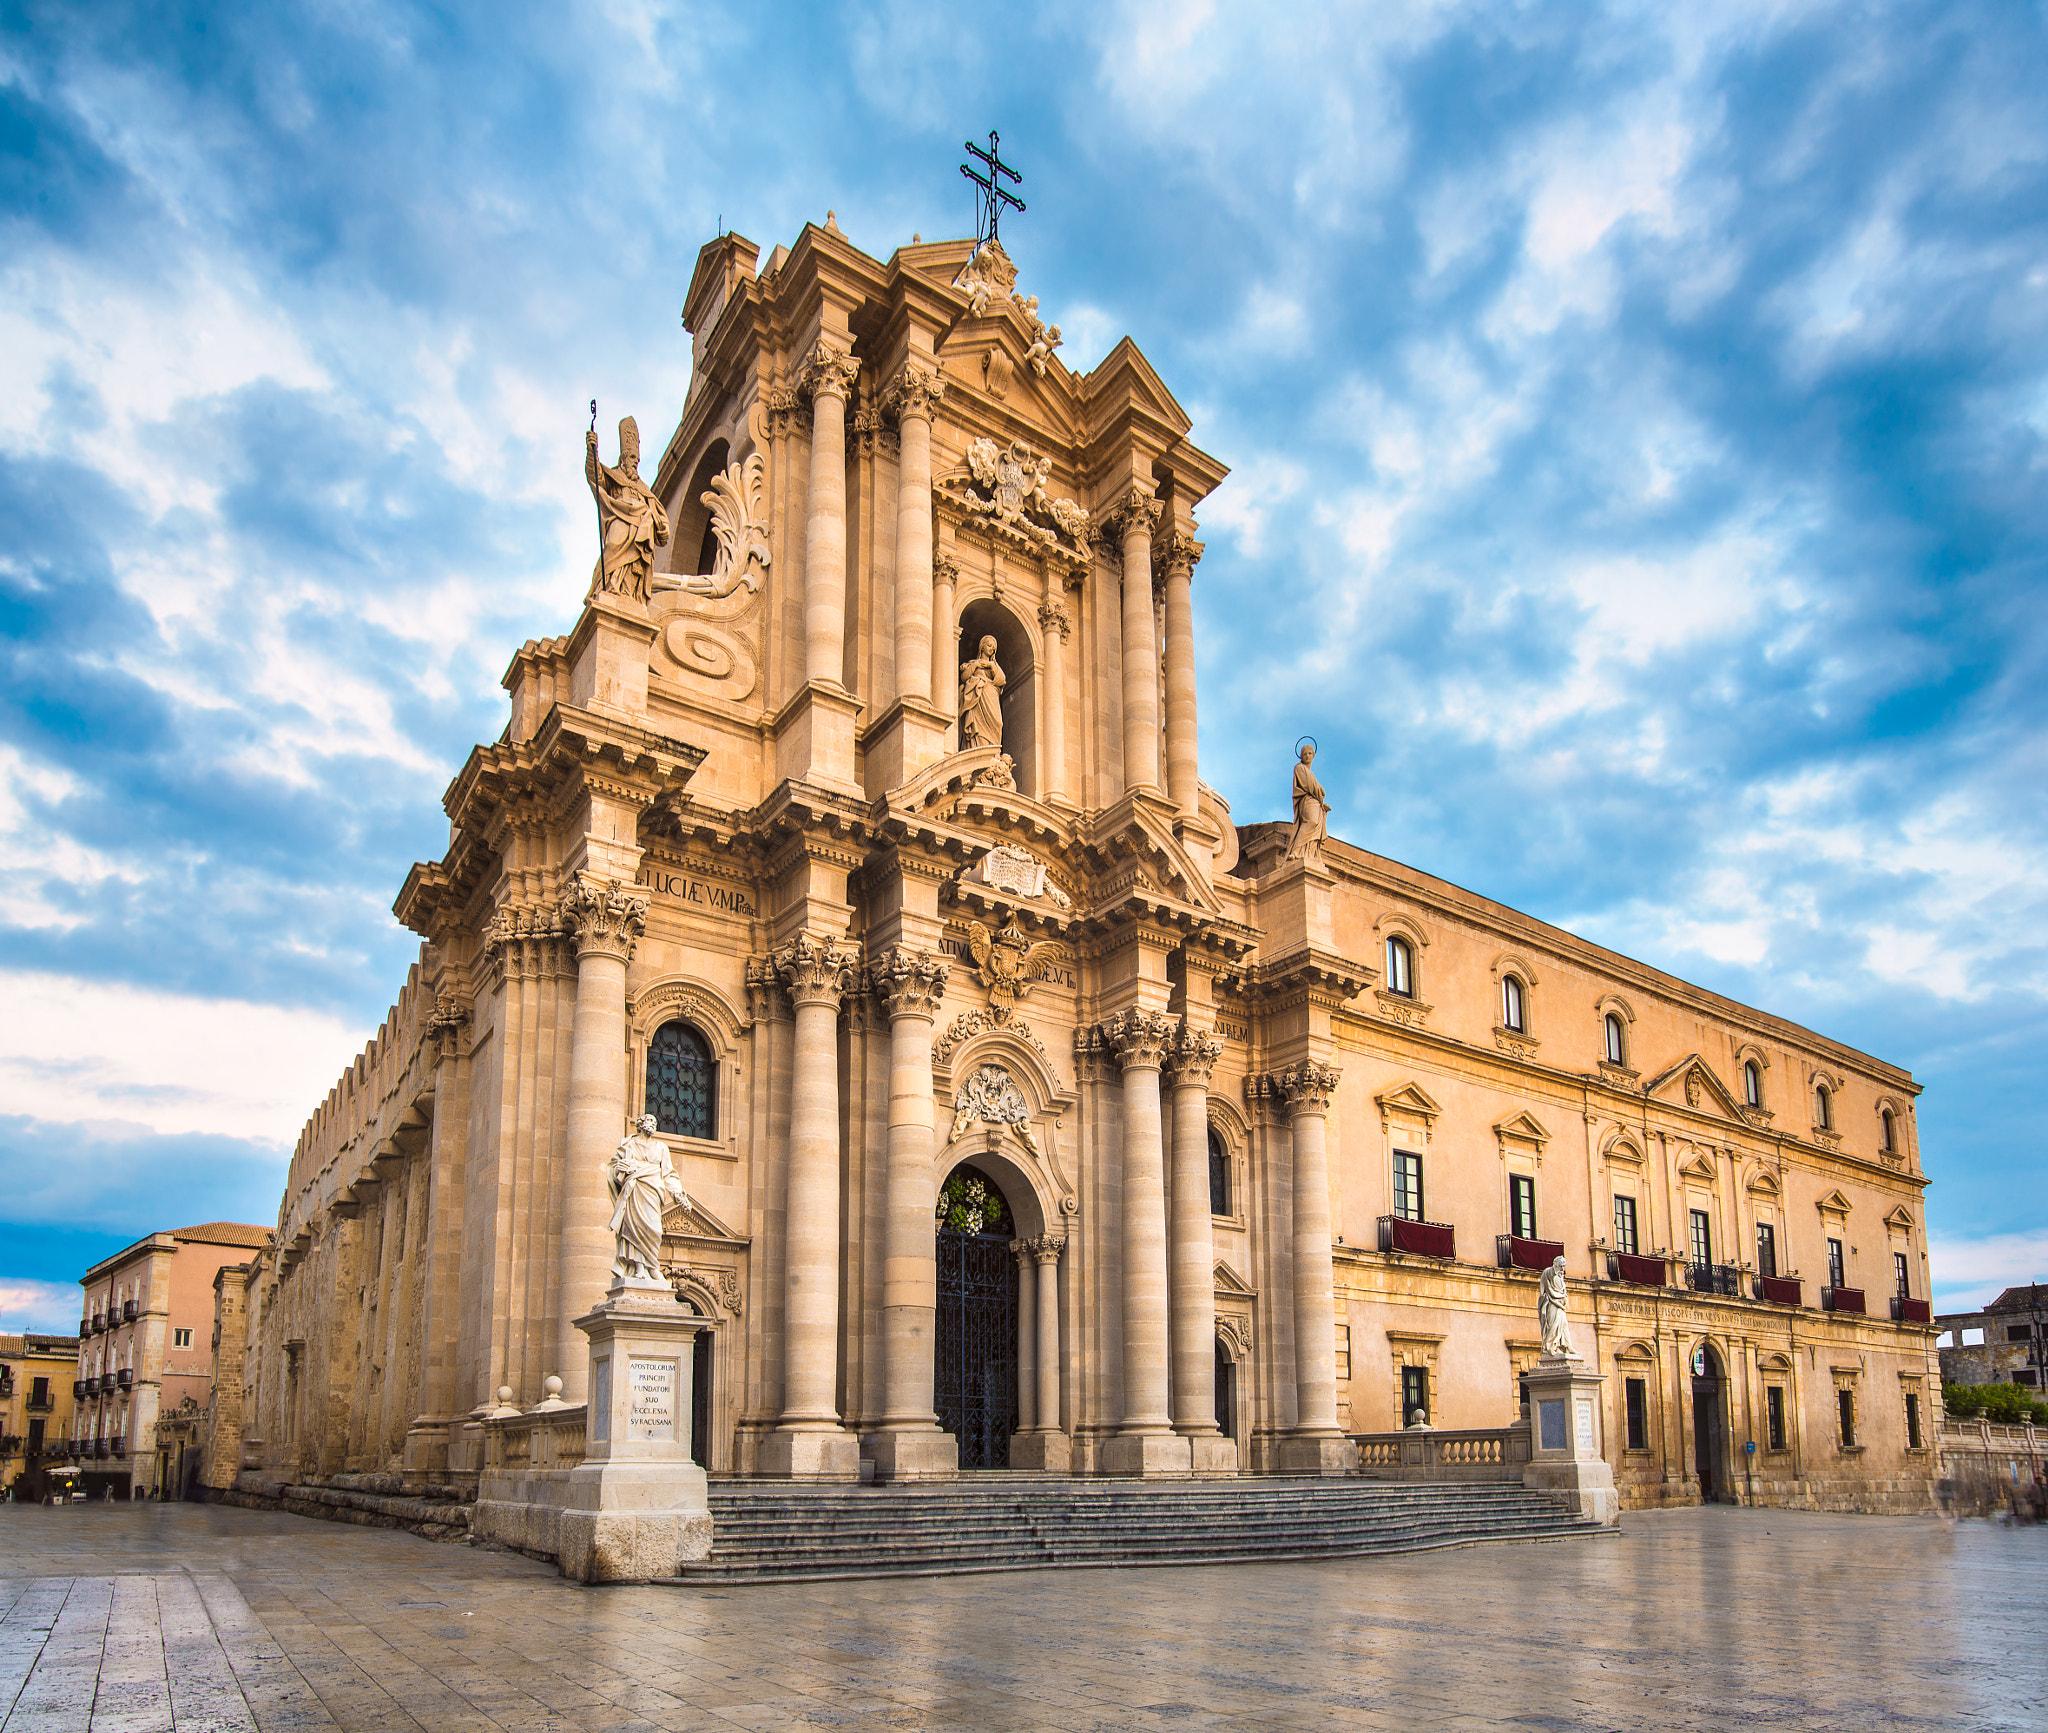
1639,423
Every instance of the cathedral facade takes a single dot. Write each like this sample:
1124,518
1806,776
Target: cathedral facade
1031,1112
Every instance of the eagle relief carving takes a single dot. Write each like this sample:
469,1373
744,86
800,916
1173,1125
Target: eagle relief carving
1007,962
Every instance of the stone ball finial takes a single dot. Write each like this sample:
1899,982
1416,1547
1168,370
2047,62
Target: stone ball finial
504,1396
551,1387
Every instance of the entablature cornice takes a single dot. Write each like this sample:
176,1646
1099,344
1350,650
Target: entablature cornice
1309,974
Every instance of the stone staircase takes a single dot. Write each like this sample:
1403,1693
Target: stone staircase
1018,1522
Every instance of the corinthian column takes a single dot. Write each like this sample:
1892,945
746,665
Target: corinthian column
1191,1060
809,1443
909,1445
913,397
607,920
1137,514
1317,1444
945,638
1145,1442
1179,552
826,378
1054,625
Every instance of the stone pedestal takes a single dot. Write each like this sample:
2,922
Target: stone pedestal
636,1506
1565,1454
1147,1453
1048,1452
1315,1455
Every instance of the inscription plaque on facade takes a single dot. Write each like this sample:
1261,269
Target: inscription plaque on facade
601,1400
1586,1428
1550,1420
651,1399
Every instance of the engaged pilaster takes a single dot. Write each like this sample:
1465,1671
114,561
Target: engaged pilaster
1190,1062
1054,624
1317,1445
607,920
1145,1442
1135,516
826,378
909,1444
913,398
809,1443
1177,554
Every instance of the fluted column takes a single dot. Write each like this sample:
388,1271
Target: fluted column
1137,514
908,1444
945,638
809,1443
608,920
1317,1441
1178,554
1144,1443
826,378
1190,1062
913,397
1054,624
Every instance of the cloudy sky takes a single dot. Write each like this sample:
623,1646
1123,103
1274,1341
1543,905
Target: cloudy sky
1639,423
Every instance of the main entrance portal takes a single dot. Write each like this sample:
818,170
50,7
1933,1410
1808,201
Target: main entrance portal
975,1386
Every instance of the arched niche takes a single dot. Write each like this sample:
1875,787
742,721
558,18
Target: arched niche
692,545
1016,652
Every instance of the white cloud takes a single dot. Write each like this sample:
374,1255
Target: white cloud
1969,1272
48,1308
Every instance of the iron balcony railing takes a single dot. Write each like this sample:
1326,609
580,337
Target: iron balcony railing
127,1311
1908,1311
1779,1290
126,1377
1423,1239
1512,1252
1841,1299
1714,1279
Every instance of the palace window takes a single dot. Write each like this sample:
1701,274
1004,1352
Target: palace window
1891,1135
1901,1285
1913,1421
1637,1393
1774,1416
1521,1206
1219,1175
1408,1185
1823,1108
1835,1265
682,1082
1510,1002
1414,1392
2019,1332
1400,968
1625,1225
1845,1406
181,1338
1702,1240
1766,1249
1752,1084
1614,1046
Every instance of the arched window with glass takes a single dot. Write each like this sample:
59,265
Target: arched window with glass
1891,1132
1400,968
1511,1015
1823,1107
1752,1084
1219,1174
1615,1048
682,1082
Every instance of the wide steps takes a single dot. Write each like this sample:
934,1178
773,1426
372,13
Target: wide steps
795,1534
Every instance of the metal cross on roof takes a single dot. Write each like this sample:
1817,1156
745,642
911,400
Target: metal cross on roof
991,195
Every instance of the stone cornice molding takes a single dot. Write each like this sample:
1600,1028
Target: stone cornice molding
916,392
1140,1039
1191,1060
816,971
1176,552
910,983
828,371
605,916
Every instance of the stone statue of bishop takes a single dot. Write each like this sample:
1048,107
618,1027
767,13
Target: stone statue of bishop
630,521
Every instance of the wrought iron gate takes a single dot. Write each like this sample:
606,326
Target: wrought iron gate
976,1383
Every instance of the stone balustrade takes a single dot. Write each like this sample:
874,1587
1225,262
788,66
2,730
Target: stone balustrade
1424,1453
527,1461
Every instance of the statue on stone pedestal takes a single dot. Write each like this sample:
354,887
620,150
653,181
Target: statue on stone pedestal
981,698
630,521
1311,810
1550,1313
641,1178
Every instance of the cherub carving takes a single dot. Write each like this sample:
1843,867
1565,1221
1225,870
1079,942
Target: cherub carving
1007,962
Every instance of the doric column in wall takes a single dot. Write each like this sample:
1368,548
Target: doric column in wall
913,397
1054,625
1178,553
909,1444
1136,515
1145,1442
945,638
608,921
1192,1262
826,378
809,1443
1317,1442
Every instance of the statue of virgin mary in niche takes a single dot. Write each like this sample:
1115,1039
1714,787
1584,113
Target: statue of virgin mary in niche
981,698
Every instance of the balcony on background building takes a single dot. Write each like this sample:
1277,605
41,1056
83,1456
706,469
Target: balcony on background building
126,1377
85,1325
41,1404
128,1312
1512,1252
1905,1311
78,1389
118,1446
99,1322
1714,1279
1627,1267
10,1442
1424,1239
99,1448
1841,1299
1779,1290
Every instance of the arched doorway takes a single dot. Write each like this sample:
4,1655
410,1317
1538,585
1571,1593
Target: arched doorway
975,1370
1226,1391
1709,1426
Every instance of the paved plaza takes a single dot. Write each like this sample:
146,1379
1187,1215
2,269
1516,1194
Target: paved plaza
186,1617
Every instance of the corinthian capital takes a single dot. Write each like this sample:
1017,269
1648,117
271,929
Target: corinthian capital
1192,1057
1139,1038
605,916
1176,554
910,983
816,971
1136,512
1054,618
827,372
1308,1088
914,393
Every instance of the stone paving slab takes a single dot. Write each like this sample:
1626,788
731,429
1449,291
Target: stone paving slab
203,1619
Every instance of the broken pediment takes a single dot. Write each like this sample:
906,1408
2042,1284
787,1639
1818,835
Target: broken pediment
1703,1089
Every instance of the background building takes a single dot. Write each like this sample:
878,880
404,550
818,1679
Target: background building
1032,1111
36,1375
145,1344
2006,1343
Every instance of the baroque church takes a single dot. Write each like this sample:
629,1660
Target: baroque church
1031,1112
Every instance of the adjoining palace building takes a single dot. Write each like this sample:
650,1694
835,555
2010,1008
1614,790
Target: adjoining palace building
1032,1112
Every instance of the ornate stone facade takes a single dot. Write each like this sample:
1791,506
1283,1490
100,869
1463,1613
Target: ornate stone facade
734,864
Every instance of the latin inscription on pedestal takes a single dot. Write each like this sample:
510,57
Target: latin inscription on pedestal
601,1400
1585,1428
651,1410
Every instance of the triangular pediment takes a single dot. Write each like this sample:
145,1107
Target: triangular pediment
697,1223
1900,1218
1408,1101
1229,1282
1697,1164
1834,1204
1692,1080
1524,1125
1133,855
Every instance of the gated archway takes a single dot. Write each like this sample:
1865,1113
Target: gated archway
975,1375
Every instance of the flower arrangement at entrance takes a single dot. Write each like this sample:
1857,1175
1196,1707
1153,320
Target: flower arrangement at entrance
968,1204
